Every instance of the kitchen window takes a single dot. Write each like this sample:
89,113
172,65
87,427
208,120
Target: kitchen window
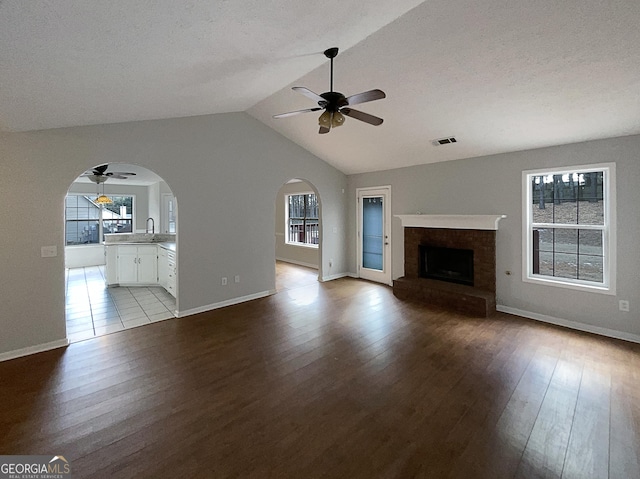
569,227
302,220
87,222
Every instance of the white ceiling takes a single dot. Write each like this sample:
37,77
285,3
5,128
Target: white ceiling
142,177
499,76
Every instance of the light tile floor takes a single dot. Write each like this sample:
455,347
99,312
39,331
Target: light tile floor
93,309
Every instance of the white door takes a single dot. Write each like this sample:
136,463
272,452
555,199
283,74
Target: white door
374,234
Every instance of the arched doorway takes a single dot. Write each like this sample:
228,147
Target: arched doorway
298,228
117,254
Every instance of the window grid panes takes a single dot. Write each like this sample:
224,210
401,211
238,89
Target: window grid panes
567,226
87,223
302,219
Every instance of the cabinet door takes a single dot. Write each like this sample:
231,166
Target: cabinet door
163,267
127,264
171,280
148,264
111,268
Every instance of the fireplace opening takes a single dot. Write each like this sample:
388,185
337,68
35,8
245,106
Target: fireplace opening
447,264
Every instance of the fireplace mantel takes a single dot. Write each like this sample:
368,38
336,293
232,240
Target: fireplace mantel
463,222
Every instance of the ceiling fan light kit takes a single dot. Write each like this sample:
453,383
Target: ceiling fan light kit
336,105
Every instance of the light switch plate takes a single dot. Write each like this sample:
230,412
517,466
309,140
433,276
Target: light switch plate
48,251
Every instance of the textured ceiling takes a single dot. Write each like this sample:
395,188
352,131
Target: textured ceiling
499,76
79,62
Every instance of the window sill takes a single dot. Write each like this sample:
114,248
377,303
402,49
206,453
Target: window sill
302,245
547,281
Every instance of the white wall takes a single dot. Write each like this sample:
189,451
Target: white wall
84,255
492,185
225,171
303,255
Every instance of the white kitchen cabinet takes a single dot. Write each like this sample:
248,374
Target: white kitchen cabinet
163,267
111,262
137,264
172,267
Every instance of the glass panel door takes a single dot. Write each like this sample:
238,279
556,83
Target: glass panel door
372,233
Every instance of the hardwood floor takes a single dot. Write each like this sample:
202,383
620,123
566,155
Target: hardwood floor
336,379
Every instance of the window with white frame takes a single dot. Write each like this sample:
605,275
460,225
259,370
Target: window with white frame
302,219
87,222
569,227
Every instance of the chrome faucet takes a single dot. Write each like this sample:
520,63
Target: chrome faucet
153,226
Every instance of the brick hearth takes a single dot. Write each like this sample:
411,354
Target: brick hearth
477,300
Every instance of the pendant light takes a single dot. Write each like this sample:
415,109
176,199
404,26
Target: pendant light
103,199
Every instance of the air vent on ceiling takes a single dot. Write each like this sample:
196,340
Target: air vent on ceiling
444,141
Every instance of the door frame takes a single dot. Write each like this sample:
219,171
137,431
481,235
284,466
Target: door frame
385,191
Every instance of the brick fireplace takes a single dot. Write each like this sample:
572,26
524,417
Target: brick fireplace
469,233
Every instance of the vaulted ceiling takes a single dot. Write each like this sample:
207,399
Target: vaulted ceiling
499,76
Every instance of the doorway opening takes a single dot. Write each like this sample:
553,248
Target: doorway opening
298,229
101,296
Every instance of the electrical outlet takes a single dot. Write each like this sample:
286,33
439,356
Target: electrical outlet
237,278
623,305
224,281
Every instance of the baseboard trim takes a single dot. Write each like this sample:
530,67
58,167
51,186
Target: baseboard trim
225,303
610,333
299,263
334,276
18,353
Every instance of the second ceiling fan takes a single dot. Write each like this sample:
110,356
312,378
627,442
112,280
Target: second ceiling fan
336,105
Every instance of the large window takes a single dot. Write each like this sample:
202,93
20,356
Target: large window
87,222
570,227
302,220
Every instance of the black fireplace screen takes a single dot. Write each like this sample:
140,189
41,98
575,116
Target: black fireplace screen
447,264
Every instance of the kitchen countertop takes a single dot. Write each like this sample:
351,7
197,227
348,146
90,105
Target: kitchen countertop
168,245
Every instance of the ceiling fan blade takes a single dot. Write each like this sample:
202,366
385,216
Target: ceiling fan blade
309,94
297,112
118,177
324,129
366,96
119,173
362,116
99,170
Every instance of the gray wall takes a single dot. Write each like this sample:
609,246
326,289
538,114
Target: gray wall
287,252
209,162
492,185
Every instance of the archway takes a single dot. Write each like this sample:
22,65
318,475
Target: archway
298,227
119,256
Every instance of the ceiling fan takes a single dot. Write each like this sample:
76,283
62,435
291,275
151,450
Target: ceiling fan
336,105
100,174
